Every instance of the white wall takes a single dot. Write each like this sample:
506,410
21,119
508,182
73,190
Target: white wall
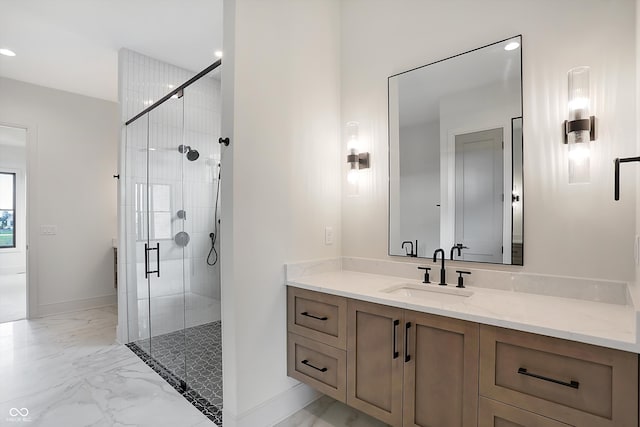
574,230
636,288
282,172
72,148
14,159
419,187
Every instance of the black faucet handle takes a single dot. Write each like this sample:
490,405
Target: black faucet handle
461,278
426,274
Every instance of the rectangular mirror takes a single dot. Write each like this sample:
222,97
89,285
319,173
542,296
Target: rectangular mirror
455,157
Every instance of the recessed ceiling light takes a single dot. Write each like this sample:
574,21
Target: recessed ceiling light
7,52
218,53
512,46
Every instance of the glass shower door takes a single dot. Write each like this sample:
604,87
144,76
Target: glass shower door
167,241
136,225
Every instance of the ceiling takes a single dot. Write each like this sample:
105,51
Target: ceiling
73,45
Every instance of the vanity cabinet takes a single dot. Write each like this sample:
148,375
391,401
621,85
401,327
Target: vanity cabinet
496,414
574,383
440,371
316,341
411,369
375,360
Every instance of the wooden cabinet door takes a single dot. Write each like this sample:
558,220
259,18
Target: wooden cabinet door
441,375
497,414
375,360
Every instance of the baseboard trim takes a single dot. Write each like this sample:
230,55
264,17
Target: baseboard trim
273,410
76,305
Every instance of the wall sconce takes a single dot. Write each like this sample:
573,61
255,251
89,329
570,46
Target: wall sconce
355,159
580,129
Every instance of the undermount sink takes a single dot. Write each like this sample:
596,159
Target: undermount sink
429,292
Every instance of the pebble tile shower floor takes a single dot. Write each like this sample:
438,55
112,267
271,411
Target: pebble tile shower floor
202,346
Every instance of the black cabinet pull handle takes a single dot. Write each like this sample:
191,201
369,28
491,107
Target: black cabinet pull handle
407,357
306,362
572,384
304,313
395,338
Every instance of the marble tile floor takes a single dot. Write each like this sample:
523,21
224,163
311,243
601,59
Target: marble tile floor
327,412
67,370
13,297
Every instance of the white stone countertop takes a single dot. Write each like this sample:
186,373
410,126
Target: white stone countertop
599,323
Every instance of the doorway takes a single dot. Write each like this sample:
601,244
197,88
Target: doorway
479,195
13,219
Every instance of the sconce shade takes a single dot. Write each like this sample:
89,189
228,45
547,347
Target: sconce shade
355,159
579,130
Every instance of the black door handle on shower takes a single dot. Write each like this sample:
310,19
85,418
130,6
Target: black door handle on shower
306,362
158,258
305,313
146,260
407,357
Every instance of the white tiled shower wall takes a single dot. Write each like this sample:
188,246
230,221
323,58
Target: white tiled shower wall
192,120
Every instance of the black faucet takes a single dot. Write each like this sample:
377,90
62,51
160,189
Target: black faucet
443,273
459,247
411,253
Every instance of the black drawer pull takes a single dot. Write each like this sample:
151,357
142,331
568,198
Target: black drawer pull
304,313
395,338
306,362
572,384
407,357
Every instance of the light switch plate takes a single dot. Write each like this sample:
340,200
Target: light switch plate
328,235
636,249
48,230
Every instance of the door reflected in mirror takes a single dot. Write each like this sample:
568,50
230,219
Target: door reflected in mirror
455,156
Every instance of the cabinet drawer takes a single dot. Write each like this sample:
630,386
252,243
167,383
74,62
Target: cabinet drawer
318,365
575,383
496,414
318,316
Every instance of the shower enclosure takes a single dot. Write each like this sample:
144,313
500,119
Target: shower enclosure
172,163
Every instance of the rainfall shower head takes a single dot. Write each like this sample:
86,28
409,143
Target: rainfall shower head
191,154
